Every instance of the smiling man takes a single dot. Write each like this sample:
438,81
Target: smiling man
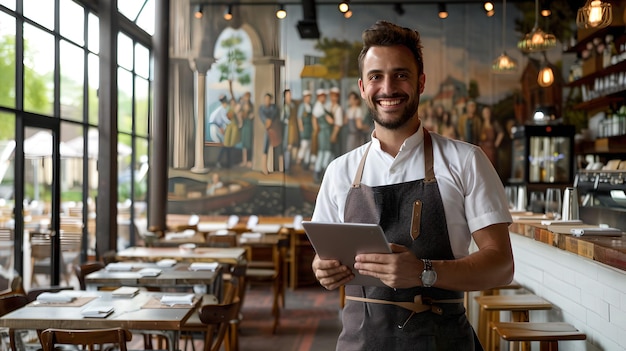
431,195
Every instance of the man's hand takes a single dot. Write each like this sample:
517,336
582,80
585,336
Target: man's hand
399,269
330,273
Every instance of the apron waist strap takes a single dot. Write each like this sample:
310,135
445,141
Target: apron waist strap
417,306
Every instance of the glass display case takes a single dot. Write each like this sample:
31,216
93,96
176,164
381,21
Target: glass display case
543,154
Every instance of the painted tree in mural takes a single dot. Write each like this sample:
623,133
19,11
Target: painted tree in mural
233,67
340,57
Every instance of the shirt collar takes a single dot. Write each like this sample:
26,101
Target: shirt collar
410,143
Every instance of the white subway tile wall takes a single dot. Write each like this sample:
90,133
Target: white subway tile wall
585,293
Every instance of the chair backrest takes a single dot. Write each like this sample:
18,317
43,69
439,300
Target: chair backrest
89,338
10,303
83,270
217,318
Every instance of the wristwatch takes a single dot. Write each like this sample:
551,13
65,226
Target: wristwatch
428,276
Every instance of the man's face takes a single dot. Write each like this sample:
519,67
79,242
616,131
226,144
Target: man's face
321,98
268,100
334,98
391,85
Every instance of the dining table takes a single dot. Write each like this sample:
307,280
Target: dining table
166,275
226,255
141,312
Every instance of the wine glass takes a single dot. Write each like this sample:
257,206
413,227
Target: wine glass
553,203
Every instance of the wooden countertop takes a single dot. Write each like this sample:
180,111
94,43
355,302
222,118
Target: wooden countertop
604,249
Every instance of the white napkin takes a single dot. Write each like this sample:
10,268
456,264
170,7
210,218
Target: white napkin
172,300
297,222
97,311
251,235
166,262
203,266
222,232
149,272
252,221
125,291
267,228
187,233
119,266
232,221
51,297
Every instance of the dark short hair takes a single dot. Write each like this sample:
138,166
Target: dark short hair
384,33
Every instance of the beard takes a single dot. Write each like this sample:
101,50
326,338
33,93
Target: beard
406,115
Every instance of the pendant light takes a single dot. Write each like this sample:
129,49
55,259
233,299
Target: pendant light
504,63
545,78
537,39
595,14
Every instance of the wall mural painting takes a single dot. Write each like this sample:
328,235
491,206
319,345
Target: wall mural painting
267,144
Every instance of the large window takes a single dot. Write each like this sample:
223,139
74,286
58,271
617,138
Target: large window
50,70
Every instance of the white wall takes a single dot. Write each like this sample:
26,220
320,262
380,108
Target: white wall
585,293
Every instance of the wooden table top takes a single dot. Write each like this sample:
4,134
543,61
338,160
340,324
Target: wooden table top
229,255
132,313
177,276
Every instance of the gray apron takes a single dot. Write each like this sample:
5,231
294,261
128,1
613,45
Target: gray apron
378,326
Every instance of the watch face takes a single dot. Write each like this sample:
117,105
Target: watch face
429,278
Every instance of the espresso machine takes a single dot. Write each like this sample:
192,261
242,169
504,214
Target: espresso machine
602,194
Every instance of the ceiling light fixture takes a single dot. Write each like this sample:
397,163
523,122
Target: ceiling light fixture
344,6
198,13
546,75
488,6
347,14
595,14
281,12
443,13
545,8
228,14
504,63
537,40
397,7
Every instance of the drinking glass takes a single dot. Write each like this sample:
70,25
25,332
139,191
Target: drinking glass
537,202
553,203
511,195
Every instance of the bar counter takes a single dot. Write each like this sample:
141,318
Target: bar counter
604,249
583,277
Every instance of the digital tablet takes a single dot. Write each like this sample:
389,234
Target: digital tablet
343,241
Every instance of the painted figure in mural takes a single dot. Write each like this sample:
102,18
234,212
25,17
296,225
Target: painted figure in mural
305,126
470,124
323,123
356,127
270,116
214,185
447,128
218,120
334,106
290,128
421,305
245,112
232,134
491,135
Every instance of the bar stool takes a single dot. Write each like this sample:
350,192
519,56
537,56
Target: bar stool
518,305
487,292
548,334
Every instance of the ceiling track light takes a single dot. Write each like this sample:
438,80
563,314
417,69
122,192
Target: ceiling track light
228,14
595,14
443,13
545,8
347,14
281,12
488,6
198,13
397,7
344,6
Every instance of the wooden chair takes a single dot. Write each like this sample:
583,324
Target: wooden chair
94,339
269,272
217,318
81,271
10,303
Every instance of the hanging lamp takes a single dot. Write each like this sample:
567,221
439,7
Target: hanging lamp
537,39
595,14
545,78
504,63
